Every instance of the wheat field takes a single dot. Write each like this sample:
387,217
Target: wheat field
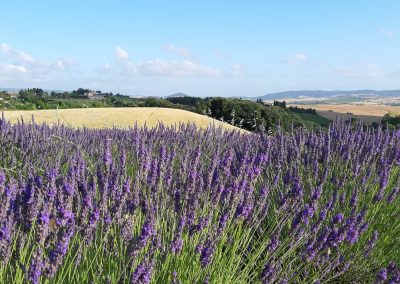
358,109
115,117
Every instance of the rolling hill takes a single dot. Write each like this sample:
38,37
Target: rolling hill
118,117
328,94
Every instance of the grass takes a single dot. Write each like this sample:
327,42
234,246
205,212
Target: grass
316,118
118,117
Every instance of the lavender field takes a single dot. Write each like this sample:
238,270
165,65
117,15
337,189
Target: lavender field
186,205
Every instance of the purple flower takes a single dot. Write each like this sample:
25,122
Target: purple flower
177,201
94,217
317,193
143,273
107,219
62,246
354,198
336,237
199,248
146,233
175,278
107,155
2,179
35,268
244,209
69,188
5,234
371,243
222,223
268,273
297,190
393,195
177,245
311,252
307,213
206,254
87,201
382,275
364,227
273,243
10,189
283,281
322,214
338,218
352,235
44,218
65,216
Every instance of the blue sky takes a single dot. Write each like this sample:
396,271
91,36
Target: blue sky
202,48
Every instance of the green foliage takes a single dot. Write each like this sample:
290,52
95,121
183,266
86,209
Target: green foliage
314,118
194,102
249,115
280,104
155,102
253,116
391,120
4,100
302,110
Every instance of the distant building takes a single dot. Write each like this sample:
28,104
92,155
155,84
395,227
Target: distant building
90,93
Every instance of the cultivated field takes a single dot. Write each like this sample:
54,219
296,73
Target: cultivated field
333,116
358,109
118,117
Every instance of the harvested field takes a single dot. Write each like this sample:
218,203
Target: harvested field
118,117
357,109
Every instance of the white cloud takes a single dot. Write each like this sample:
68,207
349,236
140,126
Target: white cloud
20,66
64,63
25,56
300,57
178,50
5,48
121,53
17,54
174,68
362,72
386,32
295,58
9,69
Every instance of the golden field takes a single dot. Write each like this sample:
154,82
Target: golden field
358,109
118,117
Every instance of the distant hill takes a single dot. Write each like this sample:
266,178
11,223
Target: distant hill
16,90
328,94
9,90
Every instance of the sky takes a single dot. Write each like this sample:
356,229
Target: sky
200,47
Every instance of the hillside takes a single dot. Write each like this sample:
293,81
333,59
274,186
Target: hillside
327,94
119,117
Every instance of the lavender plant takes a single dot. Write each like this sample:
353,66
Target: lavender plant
185,205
